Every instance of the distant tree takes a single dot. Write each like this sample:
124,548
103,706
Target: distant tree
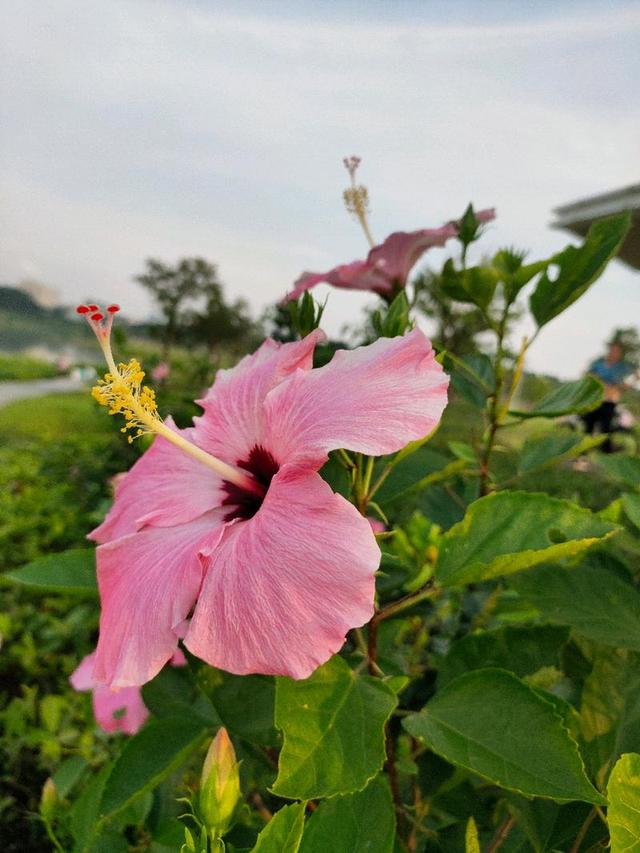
456,326
172,287
278,322
217,324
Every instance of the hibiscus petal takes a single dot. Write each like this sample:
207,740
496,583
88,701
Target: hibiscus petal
165,487
402,249
119,710
148,583
358,275
232,423
283,588
374,399
82,676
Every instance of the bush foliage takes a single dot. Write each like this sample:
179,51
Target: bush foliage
491,702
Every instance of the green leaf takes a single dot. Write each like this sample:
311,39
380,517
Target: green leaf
631,507
624,469
69,571
609,714
147,758
283,832
475,285
85,811
484,721
408,472
333,727
577,397
360,823
623,814
472,376
579,268
173,692
68,774
395,320
513,273
552,827
245,703
480,284
595,601
541,451
522,650
510,531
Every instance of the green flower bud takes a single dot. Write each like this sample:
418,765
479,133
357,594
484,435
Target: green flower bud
48,800
220,784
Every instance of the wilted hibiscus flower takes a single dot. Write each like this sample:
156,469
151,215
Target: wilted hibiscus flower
387,266
115,710
228,524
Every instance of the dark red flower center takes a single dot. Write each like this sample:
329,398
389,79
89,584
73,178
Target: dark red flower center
243,504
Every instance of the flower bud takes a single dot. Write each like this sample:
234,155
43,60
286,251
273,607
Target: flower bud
48,800
220,784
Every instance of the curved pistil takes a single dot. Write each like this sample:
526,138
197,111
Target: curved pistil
122,392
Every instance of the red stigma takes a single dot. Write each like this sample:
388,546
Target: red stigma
94,307
83,309
97,317
113,309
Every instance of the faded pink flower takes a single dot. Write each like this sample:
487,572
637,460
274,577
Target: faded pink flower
161,372
115,709
273,582
387,267
376,525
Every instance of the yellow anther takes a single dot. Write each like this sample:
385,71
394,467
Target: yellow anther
356,198
124,394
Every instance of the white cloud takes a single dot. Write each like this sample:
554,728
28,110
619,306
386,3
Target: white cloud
137,128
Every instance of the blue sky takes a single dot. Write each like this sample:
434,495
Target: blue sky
141,128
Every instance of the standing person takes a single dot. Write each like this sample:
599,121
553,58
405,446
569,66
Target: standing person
611,370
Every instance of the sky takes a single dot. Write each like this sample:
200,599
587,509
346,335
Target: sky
167,128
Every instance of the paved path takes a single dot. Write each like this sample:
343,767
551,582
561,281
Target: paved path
12,391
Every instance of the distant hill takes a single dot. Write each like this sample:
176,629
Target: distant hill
24,325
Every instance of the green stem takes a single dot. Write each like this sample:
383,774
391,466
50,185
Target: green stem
366,483
501,834
422,594
51,836
577,844
494,409
380,480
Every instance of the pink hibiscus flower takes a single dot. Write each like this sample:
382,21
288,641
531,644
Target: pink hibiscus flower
120,709
387,267
269,566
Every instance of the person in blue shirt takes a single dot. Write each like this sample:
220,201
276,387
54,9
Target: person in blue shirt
611,370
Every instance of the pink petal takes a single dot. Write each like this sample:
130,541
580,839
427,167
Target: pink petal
283,588
178,658
121,709
358,275
376,525
232,423
82,677
486,215
165,486
374,399
148,583
401,250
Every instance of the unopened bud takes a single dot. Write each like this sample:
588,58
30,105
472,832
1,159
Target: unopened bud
48,800
220,784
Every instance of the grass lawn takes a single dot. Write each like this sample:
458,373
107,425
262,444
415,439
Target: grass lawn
54,417
21,367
